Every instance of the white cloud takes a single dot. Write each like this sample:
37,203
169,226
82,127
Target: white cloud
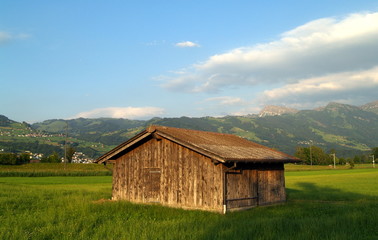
123,112
225,100
187,44
327,48
6,37
344,87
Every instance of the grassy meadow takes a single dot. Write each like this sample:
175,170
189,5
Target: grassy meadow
322,204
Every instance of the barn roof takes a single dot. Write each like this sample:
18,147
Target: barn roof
218,146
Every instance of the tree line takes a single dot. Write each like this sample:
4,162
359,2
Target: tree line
315,155
14,159
8,158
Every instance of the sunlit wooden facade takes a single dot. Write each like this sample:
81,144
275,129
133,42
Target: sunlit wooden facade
196,170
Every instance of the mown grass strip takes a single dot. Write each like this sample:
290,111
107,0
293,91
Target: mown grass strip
49,174
54,169
300,167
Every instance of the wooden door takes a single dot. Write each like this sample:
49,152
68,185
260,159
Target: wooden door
152,184
241,189
271,186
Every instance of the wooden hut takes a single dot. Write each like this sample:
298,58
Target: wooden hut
196,170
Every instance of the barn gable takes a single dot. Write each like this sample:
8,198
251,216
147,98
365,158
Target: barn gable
218,146
196,169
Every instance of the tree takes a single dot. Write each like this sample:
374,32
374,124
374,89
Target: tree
374,151
13,158
303,154
313,154
342,161
53,158
351,164
8,158
23,158
69,153
357,159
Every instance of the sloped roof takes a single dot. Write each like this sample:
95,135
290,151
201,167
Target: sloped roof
218,146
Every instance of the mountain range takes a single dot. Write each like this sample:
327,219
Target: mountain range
349,130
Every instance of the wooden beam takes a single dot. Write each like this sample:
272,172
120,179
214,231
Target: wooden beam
157,137
122,147
238,199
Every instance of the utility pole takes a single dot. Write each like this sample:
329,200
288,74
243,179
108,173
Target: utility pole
310,143
334,159
65,147
373,160
311,152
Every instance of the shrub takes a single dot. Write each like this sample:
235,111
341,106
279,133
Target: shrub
351,164
8,158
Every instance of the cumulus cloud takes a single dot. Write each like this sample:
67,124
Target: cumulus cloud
315,56
6,36
187,44
122,112
344,87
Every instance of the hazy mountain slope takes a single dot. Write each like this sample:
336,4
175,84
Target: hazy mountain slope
81,125
5,122
348,129
109,131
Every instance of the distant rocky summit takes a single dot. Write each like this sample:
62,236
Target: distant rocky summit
271,110
371,107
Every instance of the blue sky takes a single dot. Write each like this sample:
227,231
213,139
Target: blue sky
141,59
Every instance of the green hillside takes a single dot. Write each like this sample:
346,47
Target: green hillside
108,131
349,130
19,137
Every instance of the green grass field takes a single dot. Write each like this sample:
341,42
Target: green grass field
323,204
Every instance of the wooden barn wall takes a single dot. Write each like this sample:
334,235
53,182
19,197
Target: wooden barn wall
266,182
165,172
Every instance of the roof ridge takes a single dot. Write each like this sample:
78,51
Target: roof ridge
153,128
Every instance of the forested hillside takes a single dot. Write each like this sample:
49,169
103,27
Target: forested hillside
349,130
